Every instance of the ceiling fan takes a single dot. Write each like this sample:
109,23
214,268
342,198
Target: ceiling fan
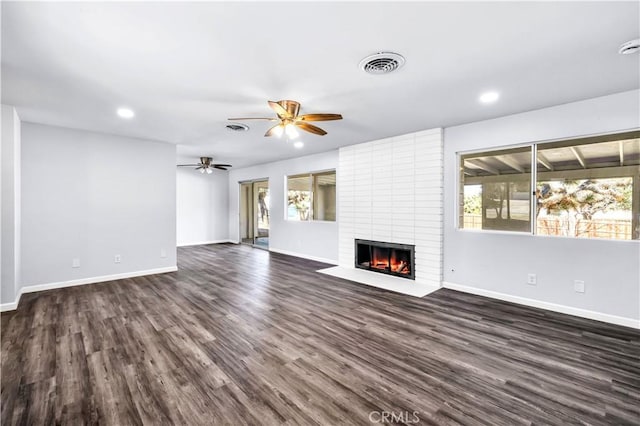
206,165
287,112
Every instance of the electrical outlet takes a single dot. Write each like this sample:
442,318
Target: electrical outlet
117,258
578,286
163,253
532,279
75,263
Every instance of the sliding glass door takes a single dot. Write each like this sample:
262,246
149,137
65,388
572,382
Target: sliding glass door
254,213
261,211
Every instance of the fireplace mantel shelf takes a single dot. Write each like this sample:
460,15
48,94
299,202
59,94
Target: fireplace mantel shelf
386,282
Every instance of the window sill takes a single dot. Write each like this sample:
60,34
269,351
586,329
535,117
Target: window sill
529,234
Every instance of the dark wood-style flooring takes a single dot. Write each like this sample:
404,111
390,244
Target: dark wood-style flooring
242,336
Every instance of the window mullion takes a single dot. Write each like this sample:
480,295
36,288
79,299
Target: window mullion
635,207
311,197
533,195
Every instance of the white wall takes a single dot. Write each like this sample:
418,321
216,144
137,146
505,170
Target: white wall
391,191
91,196
497,264
10,205
313,239
202,206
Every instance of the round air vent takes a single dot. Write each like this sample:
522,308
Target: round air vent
382,63
629,47
237,127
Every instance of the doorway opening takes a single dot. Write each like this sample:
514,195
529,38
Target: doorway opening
254,213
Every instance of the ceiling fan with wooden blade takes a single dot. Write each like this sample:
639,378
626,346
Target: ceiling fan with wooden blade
289,119
206,165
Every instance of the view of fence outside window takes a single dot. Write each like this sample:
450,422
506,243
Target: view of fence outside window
312,196
585,188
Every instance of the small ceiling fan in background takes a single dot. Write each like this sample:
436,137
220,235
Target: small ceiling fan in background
206,165
287,112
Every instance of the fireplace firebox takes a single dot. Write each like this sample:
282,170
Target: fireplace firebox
386,258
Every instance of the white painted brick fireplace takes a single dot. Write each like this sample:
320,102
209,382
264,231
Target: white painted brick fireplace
391,190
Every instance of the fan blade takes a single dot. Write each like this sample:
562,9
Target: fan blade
319,117
252,118
310,128
292,107
219,167
222,165
189,165
282,113
275,130
199,167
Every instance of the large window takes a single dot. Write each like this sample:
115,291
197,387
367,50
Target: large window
312,196
585,188
495,190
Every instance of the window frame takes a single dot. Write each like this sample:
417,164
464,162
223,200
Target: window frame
634,174
493,151
312,175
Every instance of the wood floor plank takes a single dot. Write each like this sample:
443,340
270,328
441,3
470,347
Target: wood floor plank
243,336
113,397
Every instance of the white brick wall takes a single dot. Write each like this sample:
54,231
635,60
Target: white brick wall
391,190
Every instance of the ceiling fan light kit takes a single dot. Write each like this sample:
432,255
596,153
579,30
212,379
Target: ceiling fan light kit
291,131
289,120
206,165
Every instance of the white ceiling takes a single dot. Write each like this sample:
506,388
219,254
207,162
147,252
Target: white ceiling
186,67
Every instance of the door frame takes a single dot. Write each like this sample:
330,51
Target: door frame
254,217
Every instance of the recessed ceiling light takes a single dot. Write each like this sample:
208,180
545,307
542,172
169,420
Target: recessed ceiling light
489,97
629,47
125,113
298,144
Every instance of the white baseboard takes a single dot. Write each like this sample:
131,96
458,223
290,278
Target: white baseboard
305,256
83,281
11,306
583,313
202,243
